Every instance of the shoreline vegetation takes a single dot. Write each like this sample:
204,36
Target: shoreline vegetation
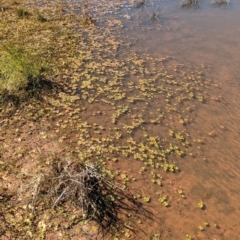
38,47
76,107
43,194
29,59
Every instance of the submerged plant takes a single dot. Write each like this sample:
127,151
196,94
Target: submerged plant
188,237
163,200
147,199
181,193
140,4
220,3
190,3
206,224
154,16
200,228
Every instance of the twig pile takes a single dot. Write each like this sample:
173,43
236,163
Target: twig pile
87,188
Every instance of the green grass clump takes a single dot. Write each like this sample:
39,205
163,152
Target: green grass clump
18,70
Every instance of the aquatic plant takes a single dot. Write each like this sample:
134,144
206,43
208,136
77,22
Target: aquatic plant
190,3
188,237
163,200
181,193
154,14
200,228
206,224
201,205
147,199
140,4
220,3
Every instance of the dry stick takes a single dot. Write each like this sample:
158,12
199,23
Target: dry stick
36,190
59,197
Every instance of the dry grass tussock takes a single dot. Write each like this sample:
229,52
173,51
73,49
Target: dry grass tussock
84,186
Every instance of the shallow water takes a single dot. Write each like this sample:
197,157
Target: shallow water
156,99
208,37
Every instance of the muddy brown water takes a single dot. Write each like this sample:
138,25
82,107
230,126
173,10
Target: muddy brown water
208,36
